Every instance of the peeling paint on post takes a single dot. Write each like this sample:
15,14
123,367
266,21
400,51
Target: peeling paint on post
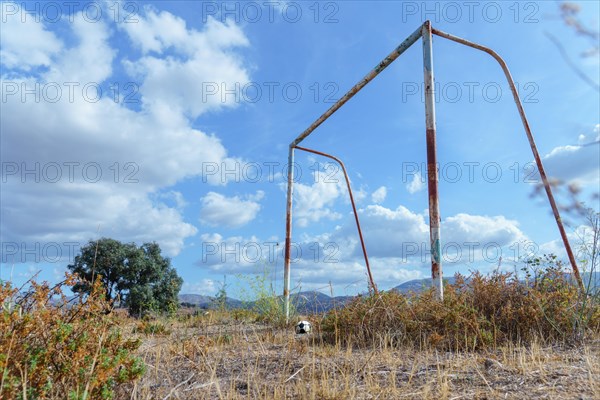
409,41
425,31
288,235
432,171
534,150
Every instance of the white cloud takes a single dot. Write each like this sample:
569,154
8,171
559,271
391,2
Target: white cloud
231,212
313,202
175,197
397,243
385,230
89,61
350,277
578,164
205,287
580,239
360,195
317,262
236,254
158,31
416,185
379,195
404,235
466,228
197,77
138,151
25,44
82,212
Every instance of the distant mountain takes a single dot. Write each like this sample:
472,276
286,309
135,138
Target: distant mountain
195,299
418,285
205,302
313,302
305,302
593,280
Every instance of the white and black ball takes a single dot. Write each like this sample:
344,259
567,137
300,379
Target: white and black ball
303,327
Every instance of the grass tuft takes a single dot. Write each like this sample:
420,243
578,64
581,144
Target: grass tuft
478,312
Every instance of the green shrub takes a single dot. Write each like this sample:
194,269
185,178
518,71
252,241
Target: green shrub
265,302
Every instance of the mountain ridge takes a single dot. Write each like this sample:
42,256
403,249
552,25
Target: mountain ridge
314,302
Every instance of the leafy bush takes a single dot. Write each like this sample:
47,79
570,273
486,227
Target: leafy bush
66,349
476,313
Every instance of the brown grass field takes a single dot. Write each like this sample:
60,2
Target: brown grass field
213,357
492,337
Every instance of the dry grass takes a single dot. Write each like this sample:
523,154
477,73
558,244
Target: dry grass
70,349
236,360
491,337
478,313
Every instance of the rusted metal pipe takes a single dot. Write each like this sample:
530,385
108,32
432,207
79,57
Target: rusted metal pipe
356,88
432,170
409,41
360,235
534,149
288,235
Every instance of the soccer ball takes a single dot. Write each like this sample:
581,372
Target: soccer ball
303,327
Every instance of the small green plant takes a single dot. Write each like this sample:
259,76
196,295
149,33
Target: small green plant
263,299
220,300
589,250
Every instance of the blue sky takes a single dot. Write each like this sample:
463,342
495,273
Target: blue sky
170,122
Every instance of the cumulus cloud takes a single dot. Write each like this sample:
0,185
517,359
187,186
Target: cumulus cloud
175,197
79,164
231,212
402,234
397,242
379,195
416,185
581,239
316,262
25,44
200,71
236,254
466,228
205,287
360,195
385,230
578,164
350,276
313,202
89,61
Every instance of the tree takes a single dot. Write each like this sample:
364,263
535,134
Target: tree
139,278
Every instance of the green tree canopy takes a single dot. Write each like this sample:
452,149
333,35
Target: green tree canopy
139,278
